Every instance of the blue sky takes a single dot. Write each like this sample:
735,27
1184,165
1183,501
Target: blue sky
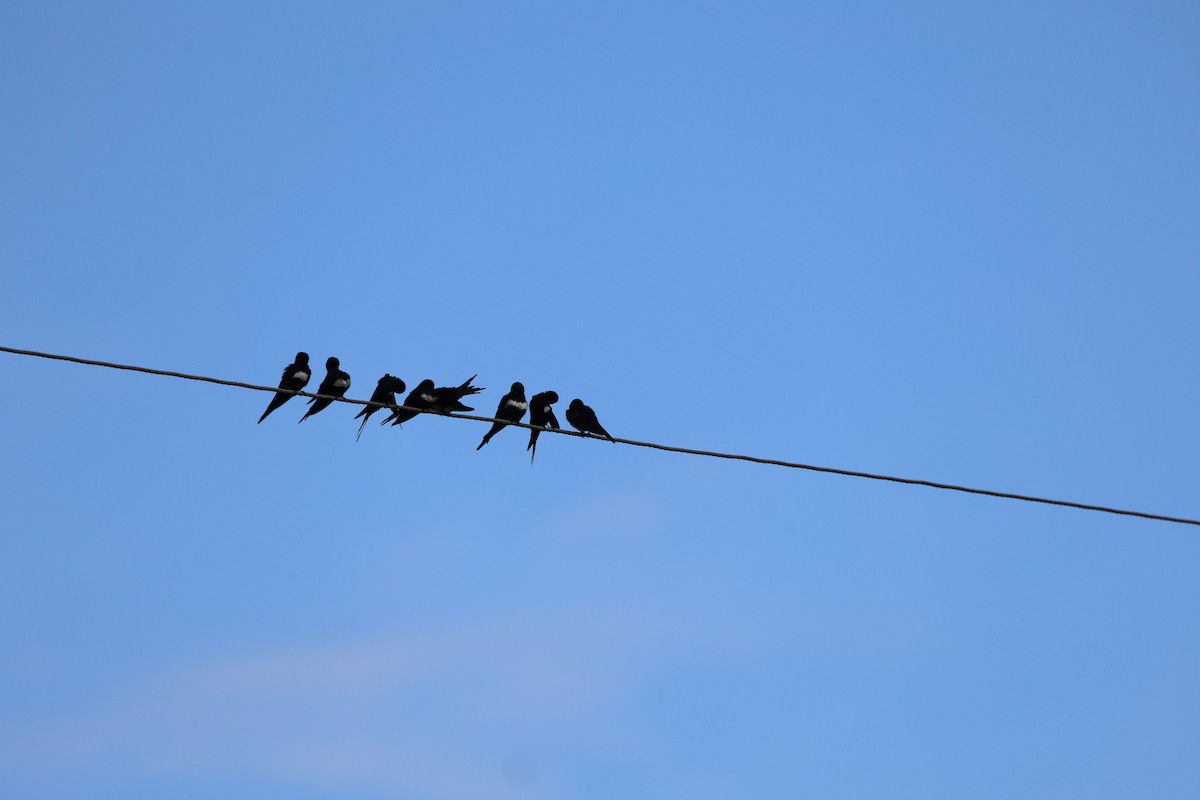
939,240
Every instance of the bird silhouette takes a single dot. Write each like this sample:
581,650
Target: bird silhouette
295,377
583,419
335,385
440,400
424,396
541,413
449,398
512,407
384,395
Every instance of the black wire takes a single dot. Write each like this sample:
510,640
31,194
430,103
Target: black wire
690,451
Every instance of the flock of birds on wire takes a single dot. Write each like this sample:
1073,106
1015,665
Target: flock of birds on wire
433,399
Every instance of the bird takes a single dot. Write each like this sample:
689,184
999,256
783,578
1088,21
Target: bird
541,413
335,385
583,419
384,395
440,400
512,407
423,396
295,377
448,398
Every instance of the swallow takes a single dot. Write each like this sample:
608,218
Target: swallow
424,396
440,400
335,384
448,398
583,419
384,395
541,413
295,377
512,407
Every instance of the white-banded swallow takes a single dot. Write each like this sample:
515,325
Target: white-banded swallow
440,400
541,413
384,395
295,377
583,419
449,397
335,385
422,397
512,407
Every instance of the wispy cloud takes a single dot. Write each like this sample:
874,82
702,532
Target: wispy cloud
441,714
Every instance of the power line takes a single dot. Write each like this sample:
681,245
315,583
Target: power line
652,445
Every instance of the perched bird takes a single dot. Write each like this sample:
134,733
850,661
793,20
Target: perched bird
541,413
384,395
441,400
512,408
583,419
295,377
424,396
448,398
335,384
